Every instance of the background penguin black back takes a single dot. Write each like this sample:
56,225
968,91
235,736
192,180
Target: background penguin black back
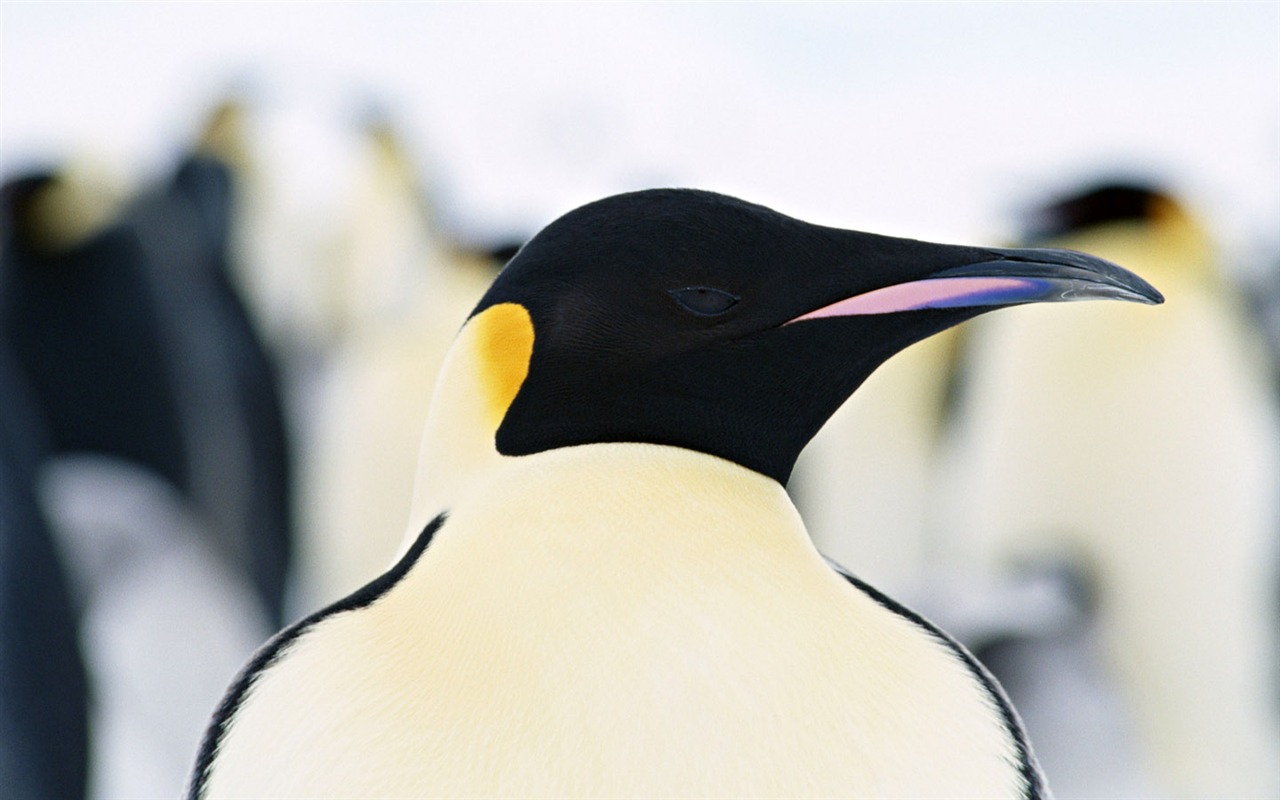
44,737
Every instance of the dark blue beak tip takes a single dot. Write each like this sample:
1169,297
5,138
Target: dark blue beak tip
1090,275
1145,292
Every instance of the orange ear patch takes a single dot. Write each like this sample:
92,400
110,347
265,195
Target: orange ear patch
504,345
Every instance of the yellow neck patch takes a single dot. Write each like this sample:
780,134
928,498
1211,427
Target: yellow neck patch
504,345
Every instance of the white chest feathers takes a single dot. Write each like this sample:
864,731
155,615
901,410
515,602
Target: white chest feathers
618,620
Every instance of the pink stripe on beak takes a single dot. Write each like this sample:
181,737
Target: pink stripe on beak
928,293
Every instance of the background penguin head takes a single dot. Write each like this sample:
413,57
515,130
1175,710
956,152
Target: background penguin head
48,212
1133,221
692,319
1103,203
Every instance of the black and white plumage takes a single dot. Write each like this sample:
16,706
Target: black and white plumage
606,589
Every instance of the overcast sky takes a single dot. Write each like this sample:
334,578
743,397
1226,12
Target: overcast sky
921,119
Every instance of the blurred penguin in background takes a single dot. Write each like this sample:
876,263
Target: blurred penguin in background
275,226
139,347
358,290
166,484
1263,290
238,444
399,288
44,701
1145,455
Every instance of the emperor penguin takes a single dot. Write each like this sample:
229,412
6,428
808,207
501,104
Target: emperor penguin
606,590
1145,453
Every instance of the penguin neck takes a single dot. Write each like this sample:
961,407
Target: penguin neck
459,465
655,487
651,509
601,486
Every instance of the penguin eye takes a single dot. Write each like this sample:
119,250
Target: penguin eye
704,301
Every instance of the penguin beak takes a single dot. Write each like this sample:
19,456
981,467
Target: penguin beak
1013,277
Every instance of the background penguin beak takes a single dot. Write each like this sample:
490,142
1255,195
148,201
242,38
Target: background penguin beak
1014,277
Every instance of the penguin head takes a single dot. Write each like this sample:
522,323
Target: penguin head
1103,203
49,212
688,318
